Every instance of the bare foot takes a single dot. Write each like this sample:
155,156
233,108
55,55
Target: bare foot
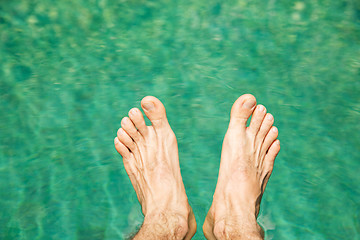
151,159
247,160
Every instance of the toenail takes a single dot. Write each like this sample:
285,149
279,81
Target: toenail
269,117
249,103
133,111
274,129
148,106
261,108
124,121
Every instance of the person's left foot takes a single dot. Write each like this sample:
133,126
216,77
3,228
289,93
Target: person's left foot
151,160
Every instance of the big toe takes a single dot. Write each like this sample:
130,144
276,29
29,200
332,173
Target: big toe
242,109
154,110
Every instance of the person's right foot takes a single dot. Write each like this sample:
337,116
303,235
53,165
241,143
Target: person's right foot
247,161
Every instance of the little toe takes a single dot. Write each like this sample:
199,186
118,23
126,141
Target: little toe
137,118
126,140
121,148
130,128
154,110
242,110
127,159
271,155
265,127
269,139
257,119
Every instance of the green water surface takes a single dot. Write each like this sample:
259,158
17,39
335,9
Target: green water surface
71,69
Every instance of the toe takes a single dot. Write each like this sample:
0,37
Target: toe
257,119
154,110
121,148
127,157
242,109
271,155
269,139
137,118
126,140
130,128
265,127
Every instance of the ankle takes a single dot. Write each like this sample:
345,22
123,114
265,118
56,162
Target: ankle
168,224
238,227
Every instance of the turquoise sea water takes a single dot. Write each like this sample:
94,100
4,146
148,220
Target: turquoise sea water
70,70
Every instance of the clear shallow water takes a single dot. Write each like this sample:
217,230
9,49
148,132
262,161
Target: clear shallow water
70,70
